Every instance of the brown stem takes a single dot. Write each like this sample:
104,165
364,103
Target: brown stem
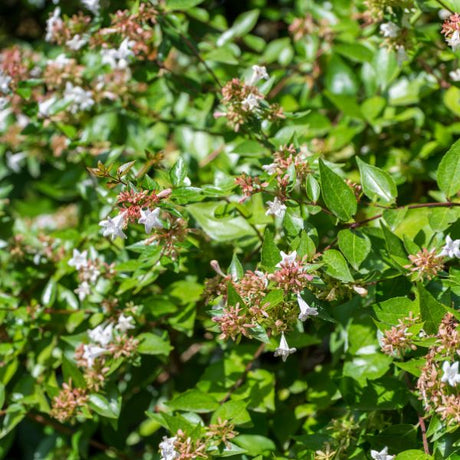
243,376
410,206
426,447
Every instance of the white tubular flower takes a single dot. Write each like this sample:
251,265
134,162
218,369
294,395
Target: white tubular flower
389,29
258,73
3,102
5,81
451,248
305,309
92,5
287,258
167,448
444,14
60,61
125,323
53,21
79,259
79,98
275,208
454,75
91,352
14,161
83,290
382,455
76,42
250,103
150,219
270,169
401,55
454,40
283,350
114,227
44,107
451,374
101,335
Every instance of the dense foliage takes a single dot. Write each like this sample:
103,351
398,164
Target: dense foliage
231,230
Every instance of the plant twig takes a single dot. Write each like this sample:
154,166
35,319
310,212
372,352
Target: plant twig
410,206
426,447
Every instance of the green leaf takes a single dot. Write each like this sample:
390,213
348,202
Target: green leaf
152,344
377,183
220,229
109,408
194,401
313,188
340,78
235,269
391,310
182,4
243,24
49,293
431,310
270,253
255,444
442,218
337,195
448,175
413,455
178,172
235,411
355,246
337,266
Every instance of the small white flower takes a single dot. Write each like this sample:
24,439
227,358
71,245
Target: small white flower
258,73
79,98
444,14
305,309
283,350
53,21
91,273
60,61
92,5
118,58
262,276
167,448
114,227
455,75
76,42
287,258
454,40
83,290
4,114
44,107
451,374
250,103
5,81
101,335
91,352
270,169
125,323
389,29
382,455
451,248
150,219
14,161
276,208
3,102
79,259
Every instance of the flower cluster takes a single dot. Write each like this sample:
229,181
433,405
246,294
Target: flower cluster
439,382
184,447
425,264
244,102
399,339
68,403
451,31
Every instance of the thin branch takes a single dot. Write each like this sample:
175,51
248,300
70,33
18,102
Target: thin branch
410,206
448,8
426,447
